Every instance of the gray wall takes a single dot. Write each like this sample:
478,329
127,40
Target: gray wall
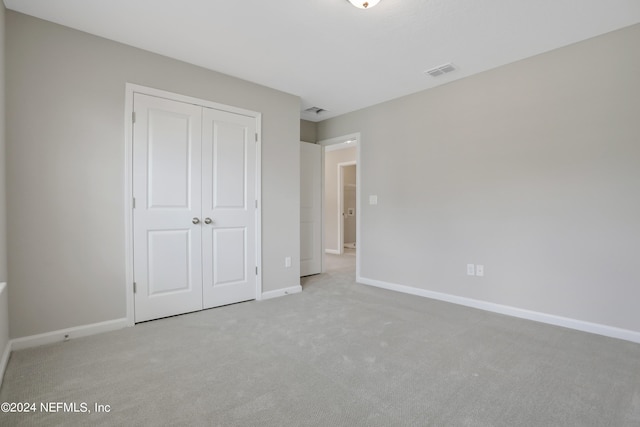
65,152
532,169
308,131
331,224
4,305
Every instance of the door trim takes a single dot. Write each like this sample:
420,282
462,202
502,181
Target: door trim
340,143
130,89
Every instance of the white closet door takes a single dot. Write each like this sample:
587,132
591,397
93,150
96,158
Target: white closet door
228,207
310,208
167,191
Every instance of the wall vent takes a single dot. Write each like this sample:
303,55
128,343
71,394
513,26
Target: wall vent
316,110
440,70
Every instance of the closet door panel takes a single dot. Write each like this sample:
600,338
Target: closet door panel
229,202
195,215
167,142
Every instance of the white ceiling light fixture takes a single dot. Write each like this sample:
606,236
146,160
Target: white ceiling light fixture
364,4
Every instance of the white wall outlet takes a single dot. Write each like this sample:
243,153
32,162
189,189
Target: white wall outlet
287,262
479,270
373,200
471,270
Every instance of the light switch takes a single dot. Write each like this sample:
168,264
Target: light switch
373,200
479,270
471,270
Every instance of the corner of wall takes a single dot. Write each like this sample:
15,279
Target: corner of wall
5,344
308,131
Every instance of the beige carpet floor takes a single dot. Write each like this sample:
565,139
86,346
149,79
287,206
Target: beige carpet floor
337,354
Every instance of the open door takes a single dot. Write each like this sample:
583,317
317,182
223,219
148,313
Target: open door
310,209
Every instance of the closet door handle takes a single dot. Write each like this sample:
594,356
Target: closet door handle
195,220
208,220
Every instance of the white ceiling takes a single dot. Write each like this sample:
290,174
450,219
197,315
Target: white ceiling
336,56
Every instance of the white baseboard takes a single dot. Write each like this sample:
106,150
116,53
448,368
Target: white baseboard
594,328
70,333
281,292
332,251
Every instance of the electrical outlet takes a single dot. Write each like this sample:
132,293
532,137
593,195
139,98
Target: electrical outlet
471,270
287,262
373,200
480,270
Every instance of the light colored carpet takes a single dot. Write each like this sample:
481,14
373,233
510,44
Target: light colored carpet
337,354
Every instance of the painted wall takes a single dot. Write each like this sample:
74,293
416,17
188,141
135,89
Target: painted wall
4,304
3,205
308,131
349,175
532,169
65,152
331,224
4,329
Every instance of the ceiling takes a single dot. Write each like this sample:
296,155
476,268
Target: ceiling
333,55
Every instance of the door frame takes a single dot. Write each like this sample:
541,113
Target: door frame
340,143
130,89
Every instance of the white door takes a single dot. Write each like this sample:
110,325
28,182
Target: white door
310,209
195,210
166,190
228,207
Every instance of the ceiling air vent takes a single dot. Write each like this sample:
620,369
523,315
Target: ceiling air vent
442,69
316,110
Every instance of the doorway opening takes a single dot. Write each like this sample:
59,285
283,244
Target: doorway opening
341,197
347,188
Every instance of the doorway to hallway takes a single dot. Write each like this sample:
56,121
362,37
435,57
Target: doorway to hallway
341,197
